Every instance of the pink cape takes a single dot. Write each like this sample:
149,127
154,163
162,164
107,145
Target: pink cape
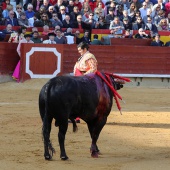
16,73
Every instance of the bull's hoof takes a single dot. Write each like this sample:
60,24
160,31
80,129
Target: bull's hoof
64,158
94,155
48,157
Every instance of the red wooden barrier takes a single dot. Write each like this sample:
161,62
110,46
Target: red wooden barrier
8,57
42,61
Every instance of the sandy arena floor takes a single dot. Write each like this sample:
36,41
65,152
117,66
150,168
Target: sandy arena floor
137,140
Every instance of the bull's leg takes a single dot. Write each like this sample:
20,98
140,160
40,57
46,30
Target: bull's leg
61,137
95,129
46,135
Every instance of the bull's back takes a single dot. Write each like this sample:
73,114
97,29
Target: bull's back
76,95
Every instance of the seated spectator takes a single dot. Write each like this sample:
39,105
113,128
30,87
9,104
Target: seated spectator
43,21
159,17
168,20
112,8
132,10
117,25
143,9
22,20
8,29
73,15
78,4
127,34
34,29
11,20
2,20
91,21
97,14
80,24
5,12
119,10
101,24
149,4
50,12
100,6
141,34
35,37
56,28
150,26
69,32
40,12
18,10
156,10
86,38
62,13
157,41
67,23
167,8
167,44
126,4
46,4
36,5
59,39
65,3
17,36
29,12
69,36
4,4
127,24
149,14
51,40
125,15
137,4
32,20
96,41
109,17
87,4
70,6
77,35
138,24
55,20
53,2
46,30
85,13
163,25
134,18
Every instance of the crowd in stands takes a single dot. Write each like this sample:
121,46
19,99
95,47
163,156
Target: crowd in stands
121,17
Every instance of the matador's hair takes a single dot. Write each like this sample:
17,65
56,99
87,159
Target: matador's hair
83,45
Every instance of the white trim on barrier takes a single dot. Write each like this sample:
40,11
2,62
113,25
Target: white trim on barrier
33,49
145,75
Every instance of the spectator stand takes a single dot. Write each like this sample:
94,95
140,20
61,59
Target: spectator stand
165,35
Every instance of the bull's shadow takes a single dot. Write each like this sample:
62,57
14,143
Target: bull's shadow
143,125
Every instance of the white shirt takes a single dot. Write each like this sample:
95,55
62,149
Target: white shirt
49,42
70,39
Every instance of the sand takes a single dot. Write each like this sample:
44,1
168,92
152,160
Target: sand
137,140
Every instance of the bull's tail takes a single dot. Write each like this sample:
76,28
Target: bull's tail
47,120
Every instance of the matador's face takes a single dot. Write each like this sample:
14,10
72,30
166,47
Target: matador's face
82,51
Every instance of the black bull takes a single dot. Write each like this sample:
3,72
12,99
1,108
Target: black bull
68,97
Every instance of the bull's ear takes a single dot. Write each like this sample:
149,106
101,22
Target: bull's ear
119,86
